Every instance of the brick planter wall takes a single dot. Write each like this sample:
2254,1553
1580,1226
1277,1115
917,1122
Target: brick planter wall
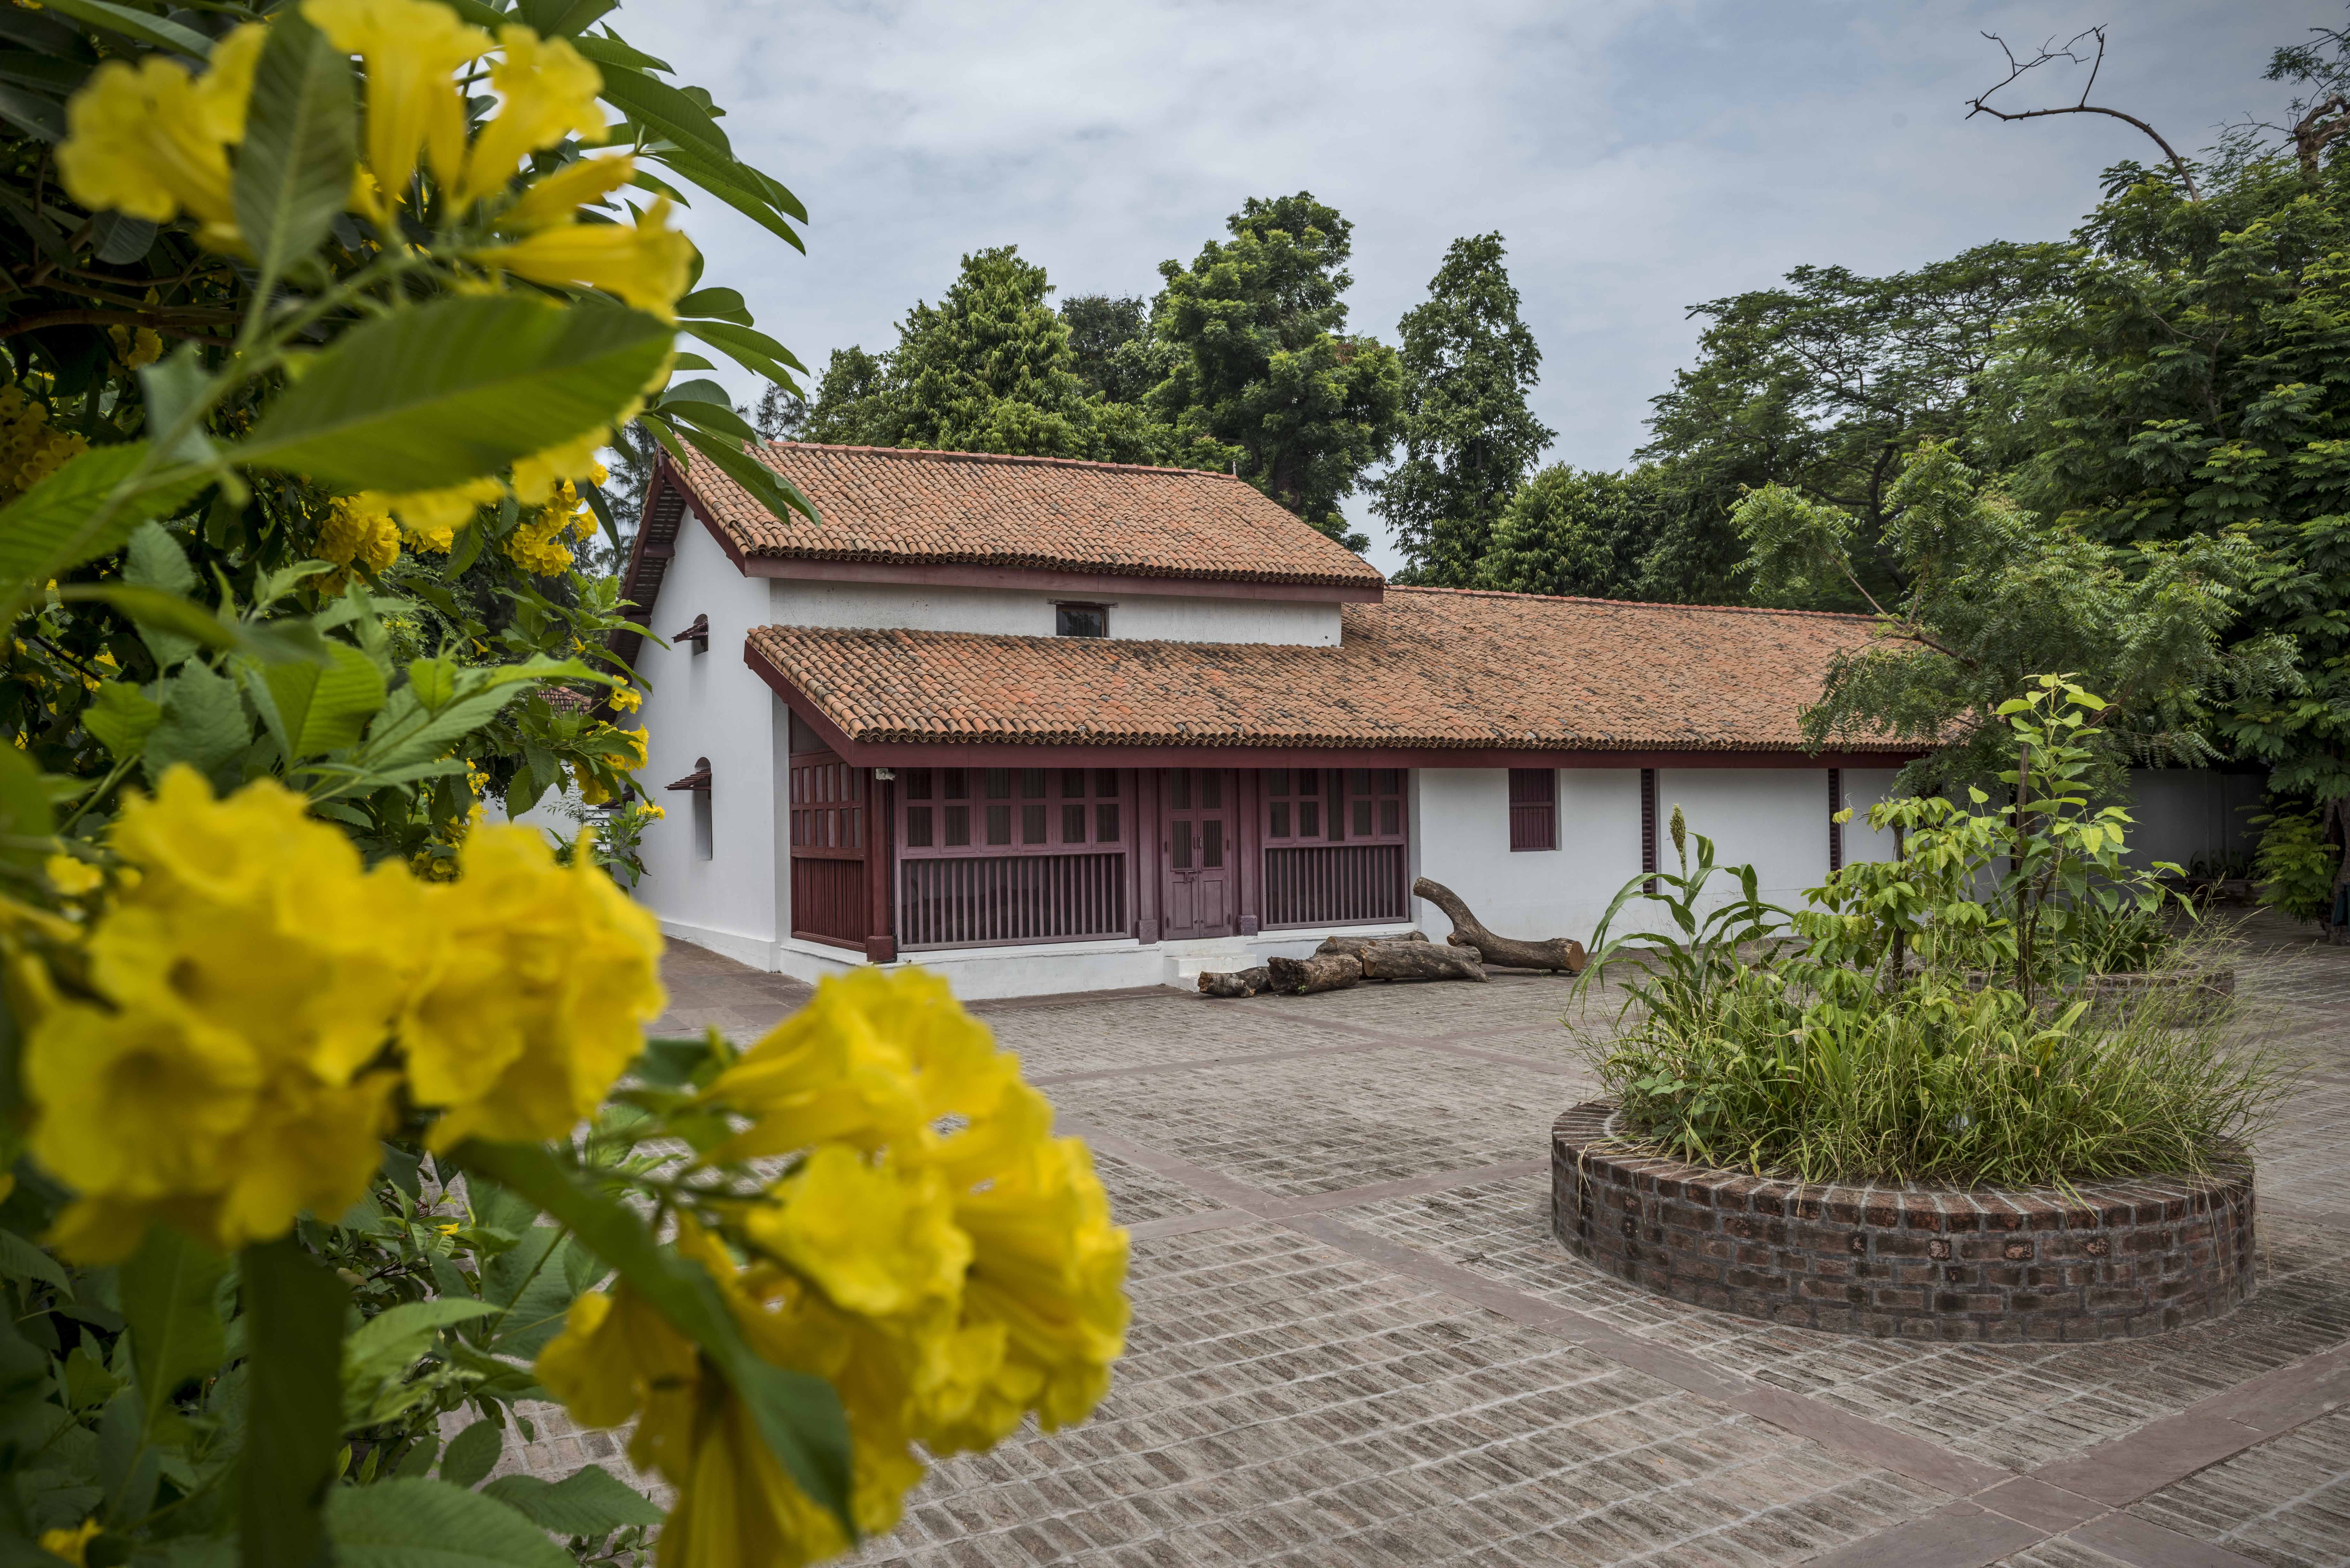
2110,1260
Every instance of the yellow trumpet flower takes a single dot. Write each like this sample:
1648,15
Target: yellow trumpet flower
646,266
546,91
412,49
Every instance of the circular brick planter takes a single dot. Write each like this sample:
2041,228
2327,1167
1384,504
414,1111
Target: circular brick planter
2109,1260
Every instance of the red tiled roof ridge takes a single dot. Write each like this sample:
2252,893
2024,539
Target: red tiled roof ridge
945,452
1394,587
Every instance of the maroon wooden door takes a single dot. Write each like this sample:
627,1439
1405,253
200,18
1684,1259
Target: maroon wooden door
1196,849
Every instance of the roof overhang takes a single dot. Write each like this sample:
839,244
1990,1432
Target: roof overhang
982,755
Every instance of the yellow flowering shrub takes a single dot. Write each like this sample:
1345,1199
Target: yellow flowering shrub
536,986
949,1283
218,1076
30,448
358,531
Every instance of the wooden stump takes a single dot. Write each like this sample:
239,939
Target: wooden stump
1237,983
1358,945
1323,971
1556,953
1419,960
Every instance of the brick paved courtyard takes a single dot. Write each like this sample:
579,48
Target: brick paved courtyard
1356,1342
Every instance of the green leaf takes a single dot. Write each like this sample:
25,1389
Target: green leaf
294,1425
173,386
654,103
45,530
121,717
717,419
738,185
326,708
405,1522
562,18
750,349
722,304
203,723
21,1260
142,26
767,487
301,139
456,389
155,561
471,1453
591,1502
25,818
389,1342
170,1296
38,116
607,50
798,1415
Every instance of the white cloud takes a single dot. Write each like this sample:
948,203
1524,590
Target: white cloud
1639,155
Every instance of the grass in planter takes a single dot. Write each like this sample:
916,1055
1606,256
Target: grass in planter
1855,1040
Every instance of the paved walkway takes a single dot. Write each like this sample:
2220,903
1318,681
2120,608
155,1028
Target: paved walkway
1355,1341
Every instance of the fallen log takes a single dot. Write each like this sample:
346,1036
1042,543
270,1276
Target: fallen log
1555,953
1236,981
1358,945
1419,960
1323,971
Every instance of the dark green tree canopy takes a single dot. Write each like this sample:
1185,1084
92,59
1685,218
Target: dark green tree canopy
989,368
854,405
1111,347
1264,377
1568,531
1468,436
1823,384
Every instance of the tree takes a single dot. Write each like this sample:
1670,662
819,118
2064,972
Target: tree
1111,348
1264,377
1996,596
1580,532
2190,385
1468,436
781,415
1822,386
989,368
854,404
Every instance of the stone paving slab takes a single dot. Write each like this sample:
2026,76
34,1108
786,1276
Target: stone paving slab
1356,1342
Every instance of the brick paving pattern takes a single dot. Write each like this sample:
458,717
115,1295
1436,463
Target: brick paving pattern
1356,1342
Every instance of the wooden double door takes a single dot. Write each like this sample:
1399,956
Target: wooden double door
1198,851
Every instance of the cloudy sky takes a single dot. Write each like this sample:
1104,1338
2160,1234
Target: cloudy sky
1637,155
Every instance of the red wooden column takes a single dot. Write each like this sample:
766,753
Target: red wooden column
1149,863
1248,849
880,845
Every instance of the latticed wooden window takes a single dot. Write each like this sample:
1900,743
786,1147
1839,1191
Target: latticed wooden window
1534,808
1333,806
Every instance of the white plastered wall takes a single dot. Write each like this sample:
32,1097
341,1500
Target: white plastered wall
1461,838
713,705
1022,612
1863,788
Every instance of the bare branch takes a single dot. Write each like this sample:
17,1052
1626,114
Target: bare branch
2049,53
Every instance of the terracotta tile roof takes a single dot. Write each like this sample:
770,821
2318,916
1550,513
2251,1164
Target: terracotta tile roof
951,508
1425,669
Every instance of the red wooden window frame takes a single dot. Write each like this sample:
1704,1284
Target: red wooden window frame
1836,828
1648,827
1333,805
948,811
1534,808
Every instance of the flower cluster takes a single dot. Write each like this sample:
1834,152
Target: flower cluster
155,141
358,531
933,1252
260,999
30,448
537,545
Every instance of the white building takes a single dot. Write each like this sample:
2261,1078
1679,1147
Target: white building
1052,726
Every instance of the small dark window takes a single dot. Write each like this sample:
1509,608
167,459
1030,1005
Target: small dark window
1211,841
958,826
918,827
1178,789
1031,784
1072,784
1276,780
1080,621
1310,819
1534,808
999,825
1106,783
1281,819
958,782
1183,854
1073,824
999,784
917,783
1106,821
1032,825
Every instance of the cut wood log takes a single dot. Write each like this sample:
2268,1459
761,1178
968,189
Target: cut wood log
1323,971
1419,960
1557,953
1237,981
1356,945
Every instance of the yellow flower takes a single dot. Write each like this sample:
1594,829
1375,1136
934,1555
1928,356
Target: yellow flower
555,198
626,699
360,530
536,544
135,347
412,49
873,1242
651,813
430,515
538,981
71,1545
638,740
250,973
646,266
545,477
152,142
71,877
545,92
